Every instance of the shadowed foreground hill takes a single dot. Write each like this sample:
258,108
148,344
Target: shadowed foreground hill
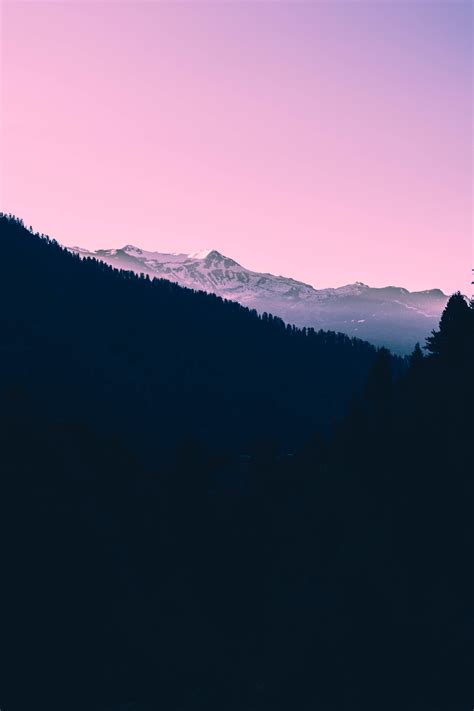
155,361
336,579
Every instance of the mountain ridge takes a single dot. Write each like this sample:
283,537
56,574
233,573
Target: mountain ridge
389,315
159,361
203,254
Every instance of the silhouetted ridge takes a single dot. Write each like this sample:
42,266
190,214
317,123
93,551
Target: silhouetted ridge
152,358
390,316
181,529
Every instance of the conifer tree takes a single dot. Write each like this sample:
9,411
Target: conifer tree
453,343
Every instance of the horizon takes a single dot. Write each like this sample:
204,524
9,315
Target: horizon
304,157
236,354
194,255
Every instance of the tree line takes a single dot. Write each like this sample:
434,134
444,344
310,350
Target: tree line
326,569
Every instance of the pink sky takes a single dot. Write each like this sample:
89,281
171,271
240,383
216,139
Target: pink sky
328,141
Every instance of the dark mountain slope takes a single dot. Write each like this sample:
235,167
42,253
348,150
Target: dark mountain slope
338,578
155,361
391,316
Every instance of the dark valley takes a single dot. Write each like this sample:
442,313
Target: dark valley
203,508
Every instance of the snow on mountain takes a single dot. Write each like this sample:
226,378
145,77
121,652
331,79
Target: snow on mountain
391,315
202,254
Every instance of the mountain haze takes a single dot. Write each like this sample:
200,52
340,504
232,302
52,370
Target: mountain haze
158,361
390,316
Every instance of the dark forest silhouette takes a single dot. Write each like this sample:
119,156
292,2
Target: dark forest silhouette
205,509
157,360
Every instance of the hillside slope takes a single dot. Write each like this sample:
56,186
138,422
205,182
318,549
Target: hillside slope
390,316
156,361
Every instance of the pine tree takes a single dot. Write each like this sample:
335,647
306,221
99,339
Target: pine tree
454,342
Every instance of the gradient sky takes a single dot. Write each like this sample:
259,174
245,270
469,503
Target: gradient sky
328,141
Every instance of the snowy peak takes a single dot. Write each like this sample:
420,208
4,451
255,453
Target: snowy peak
204,253
130,249
213,258
145,256
390,315
209,256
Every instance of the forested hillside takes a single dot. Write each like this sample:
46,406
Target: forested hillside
152,361
336,576
391,316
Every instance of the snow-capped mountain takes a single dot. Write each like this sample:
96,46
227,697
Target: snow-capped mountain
389,316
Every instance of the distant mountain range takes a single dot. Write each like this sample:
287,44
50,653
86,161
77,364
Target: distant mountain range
391,316
153,363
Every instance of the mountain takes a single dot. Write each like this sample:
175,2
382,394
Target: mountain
390,316
155,361
162,547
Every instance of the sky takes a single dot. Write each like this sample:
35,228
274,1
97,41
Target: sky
330,141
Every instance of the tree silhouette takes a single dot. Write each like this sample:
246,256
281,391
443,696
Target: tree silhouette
454,341
150,551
